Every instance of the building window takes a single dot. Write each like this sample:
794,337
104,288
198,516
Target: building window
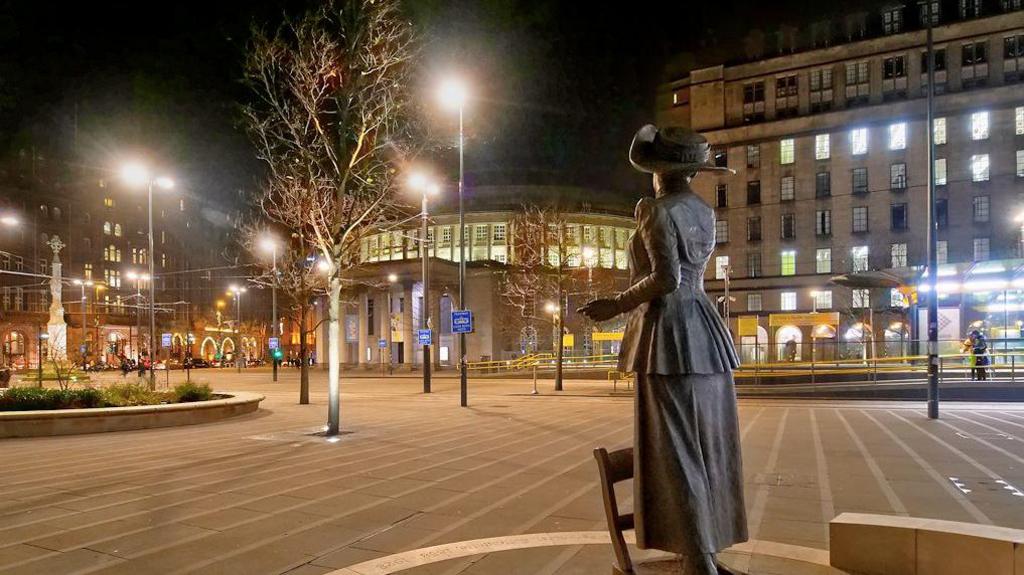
1018,121
108,228
858,87
923,9
822,184
721,196
754,302
1013,58
859,259
786,151
892,20
898,216
87,271
446,235
942,213
861,298
753,102
787,188
721,267
481,233
787,263
821,147
980,209
899,255
753,192
753,229
118,231
821,90
859,141
785,96
860,180
894,77
823,222
940,171
970,8
940,71
942,252
754,264
979,126
1009,5
860,219
823,261
974,64
501,232
108,202
822,299
1020,163
721,231
898,177
898,136
788,226
979,168
753,155
981,249
939,131
787,301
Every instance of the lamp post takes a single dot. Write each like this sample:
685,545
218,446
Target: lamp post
933,259
426,188
271,245
138,279
237,292
556,318
85,318
138,175
454,95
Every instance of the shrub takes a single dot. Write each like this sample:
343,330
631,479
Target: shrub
187,392
126,394
34,398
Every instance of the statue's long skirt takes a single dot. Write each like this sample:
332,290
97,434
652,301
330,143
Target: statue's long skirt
688,476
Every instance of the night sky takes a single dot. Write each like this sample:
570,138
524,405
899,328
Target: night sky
560,86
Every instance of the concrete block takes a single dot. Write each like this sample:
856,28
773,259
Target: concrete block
944,553
872,549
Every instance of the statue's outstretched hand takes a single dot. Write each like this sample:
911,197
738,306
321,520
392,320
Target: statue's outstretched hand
600,309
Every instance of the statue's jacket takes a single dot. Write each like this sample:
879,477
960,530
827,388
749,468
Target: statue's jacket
672,327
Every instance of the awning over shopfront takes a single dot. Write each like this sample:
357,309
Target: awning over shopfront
803,319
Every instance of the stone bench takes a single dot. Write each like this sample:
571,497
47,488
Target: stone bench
892,545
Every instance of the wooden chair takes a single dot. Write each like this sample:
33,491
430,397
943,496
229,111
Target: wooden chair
615,467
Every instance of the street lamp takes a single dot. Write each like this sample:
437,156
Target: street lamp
270,244
138,279
139,175
9,221
421,183
43,336
453,95
237,292
85,318
556,319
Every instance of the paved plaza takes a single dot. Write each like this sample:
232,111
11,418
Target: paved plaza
260,494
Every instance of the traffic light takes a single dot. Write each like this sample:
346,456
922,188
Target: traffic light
277,354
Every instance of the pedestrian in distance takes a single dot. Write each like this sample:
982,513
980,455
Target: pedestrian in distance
979,350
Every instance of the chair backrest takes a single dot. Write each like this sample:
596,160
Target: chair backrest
614,467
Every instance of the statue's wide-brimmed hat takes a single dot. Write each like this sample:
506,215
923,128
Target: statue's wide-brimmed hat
671,149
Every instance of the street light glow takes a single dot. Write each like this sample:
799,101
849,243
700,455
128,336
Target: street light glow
551,307
135,174
268,243
392,278
418,181
323,265
453,93
164,182
9,221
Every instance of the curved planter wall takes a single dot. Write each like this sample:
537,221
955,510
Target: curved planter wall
75,421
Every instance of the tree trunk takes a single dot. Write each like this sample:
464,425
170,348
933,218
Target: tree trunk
333,359
303,355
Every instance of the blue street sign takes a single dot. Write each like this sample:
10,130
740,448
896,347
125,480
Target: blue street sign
382,343
423,336
462,321
274,343
165,340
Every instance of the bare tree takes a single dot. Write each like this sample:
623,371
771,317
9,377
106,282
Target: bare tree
330,114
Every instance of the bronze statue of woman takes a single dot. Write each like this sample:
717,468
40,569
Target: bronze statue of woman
688,473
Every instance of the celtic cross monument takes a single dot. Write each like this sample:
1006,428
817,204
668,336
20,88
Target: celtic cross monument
55,327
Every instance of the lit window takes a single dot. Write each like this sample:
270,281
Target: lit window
939,131
754,302
861,298
859,258
787,301
821,147
754,264
446,235
1020,163
721,231
981,249
899,255
896,298
859,141
898,136
860,219
979,126
942,252
117,230
481,233
980,208
787,188
786,152
500,232
87,271
788,263
108,228
721,267
1018,121
822,299
108,202
979,168
753,155
898,176
823,261
940,171
823,223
